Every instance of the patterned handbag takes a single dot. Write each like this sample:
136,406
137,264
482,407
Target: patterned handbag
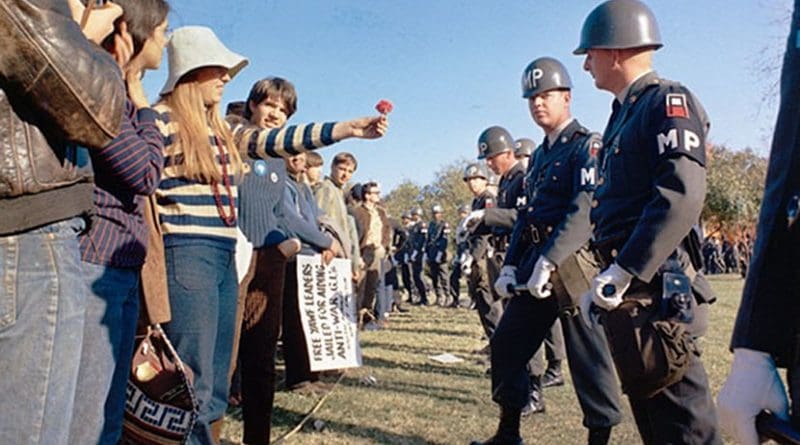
160,406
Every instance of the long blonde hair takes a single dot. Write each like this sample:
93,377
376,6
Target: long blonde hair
193,120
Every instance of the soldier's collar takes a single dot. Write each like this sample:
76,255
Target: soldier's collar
631,91
552,137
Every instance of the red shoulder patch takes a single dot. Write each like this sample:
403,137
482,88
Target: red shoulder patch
677,106
594,147
488,204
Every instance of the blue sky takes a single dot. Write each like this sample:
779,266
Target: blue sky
453,68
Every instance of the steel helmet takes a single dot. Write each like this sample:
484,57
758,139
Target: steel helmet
464,208
524,147
544,74
493,141
437,209
619,24
417,211
475,170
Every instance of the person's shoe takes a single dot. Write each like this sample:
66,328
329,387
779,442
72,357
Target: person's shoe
536,403
507,431
550,380
306,388
400,309
495,440
373,325
553,375
599,436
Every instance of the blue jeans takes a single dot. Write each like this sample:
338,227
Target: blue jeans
42,298
112,310
202,295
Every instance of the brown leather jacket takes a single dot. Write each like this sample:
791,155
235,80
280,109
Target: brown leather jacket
41,180
362,216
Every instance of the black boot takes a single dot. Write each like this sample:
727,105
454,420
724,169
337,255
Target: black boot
599,436
553,375
507,430
536,403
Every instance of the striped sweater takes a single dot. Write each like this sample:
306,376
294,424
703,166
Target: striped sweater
125,171
188,210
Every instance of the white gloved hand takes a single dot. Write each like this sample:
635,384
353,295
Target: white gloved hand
613,278
414,256
405,258
540,278
753,385
462,233
466,263
473,219
507,278
424,257
586,305
438,257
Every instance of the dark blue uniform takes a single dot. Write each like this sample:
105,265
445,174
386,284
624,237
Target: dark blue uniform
462,251
648,200
498,223
402,256
555,224
479,284
436,252
418,235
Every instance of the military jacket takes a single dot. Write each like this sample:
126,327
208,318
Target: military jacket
769,314
558,189
436,243
419,235
652,181
400,242
499,220
479,244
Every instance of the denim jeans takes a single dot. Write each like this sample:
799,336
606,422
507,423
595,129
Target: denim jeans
42,299
202,296
112,310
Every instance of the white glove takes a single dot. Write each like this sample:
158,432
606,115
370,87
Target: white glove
466,263
615,279
473,219
540,278
586,306
753,385
439,257
507,278
405,258
424,257
414,256
462,233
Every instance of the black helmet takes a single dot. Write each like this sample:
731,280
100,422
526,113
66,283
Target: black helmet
524,147
476,170
544,74
493,141
619,24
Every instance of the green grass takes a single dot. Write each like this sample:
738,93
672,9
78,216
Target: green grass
418,401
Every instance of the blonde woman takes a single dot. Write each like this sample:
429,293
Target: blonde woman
197,200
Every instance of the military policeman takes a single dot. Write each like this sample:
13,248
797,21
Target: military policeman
496,146
523,150
476,176
766,335
650,192
461,260
402,256
542,253
436,253
418,237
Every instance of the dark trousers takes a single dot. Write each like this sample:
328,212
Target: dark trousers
261,293
793,376
590,363
416,271
682,413
487,303
455,284
438,274
295,354
408,284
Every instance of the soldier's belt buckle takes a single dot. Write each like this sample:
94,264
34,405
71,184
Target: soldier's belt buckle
535,235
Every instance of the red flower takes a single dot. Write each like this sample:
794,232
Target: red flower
384,106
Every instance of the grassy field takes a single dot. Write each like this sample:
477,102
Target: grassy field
419,401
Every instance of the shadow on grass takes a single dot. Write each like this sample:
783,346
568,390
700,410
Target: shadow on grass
418,330
412,349
444,394
288,419
424,367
